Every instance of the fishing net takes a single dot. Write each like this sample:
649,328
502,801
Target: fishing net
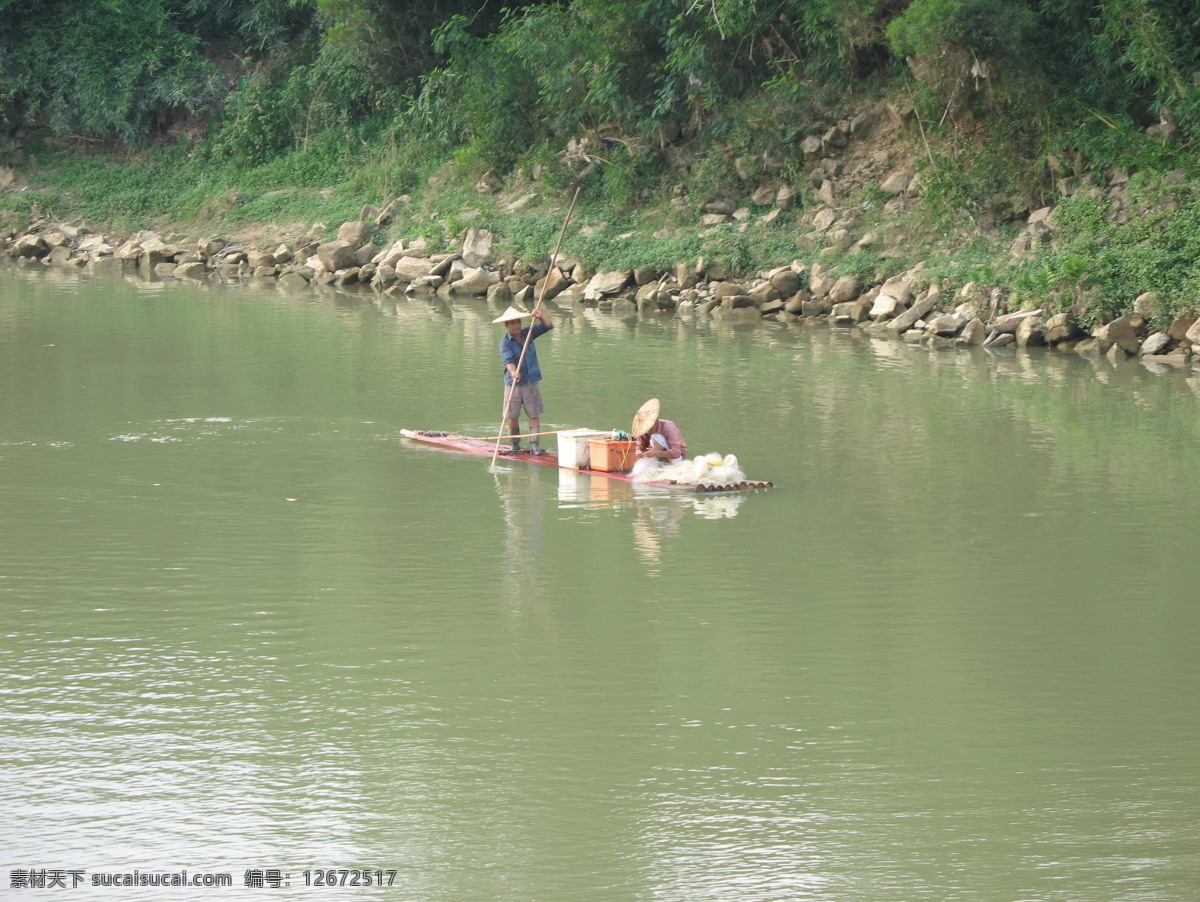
707,469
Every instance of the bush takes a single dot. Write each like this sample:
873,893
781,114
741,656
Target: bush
1101,262
101,69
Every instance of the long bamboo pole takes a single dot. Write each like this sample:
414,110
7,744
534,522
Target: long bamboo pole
529,335
523,435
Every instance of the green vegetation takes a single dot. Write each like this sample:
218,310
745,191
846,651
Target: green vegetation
137,112
1111,252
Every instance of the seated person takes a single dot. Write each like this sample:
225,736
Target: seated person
658,440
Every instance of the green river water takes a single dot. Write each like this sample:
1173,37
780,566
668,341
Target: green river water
250,630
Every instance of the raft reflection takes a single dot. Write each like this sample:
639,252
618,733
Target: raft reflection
659,511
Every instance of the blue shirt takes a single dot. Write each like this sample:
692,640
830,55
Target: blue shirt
510,352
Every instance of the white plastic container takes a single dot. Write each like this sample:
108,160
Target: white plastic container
573,447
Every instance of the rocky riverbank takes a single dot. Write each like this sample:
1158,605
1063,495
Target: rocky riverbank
906,307
857,154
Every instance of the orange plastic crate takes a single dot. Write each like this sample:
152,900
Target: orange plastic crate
611,456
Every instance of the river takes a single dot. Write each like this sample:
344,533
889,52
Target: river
249,630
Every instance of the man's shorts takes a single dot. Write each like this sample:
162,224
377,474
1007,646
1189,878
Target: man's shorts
526,397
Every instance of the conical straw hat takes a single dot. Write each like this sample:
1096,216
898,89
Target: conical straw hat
646,417
510,313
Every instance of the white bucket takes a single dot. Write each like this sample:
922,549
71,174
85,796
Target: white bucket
573,447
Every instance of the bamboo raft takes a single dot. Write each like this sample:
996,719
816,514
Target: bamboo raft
453,441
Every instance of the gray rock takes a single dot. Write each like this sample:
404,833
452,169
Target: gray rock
364,255
896,183
194,271
476,247
734,301
774,305
59,256
385,276
787,282
1157,343
1180,327
721,290
973,333
335,255
424,285
111,264
685,275
499,294
913,314
1007,324
1146,304
885,307
475,282
1029,332
1193,333
1125,332
409,268
837,137
816,307
765,293
608,283
293,280
354,233
1059,328
736,314
848,312
899,289
844,289
30,246
949,324
795,303
210,247
820,281
553,284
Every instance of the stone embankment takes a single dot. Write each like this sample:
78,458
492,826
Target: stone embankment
905,307
841,163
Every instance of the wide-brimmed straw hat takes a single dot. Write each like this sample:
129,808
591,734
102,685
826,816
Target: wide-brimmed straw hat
646,417
510,314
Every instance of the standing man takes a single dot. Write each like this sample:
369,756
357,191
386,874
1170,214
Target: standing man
658,440
521,376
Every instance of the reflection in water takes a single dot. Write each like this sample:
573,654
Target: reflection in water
718,507
520,494
658,511
658,517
